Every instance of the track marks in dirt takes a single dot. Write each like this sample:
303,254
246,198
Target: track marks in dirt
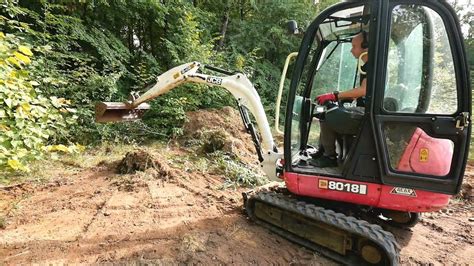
85,219
98,212
187,219
77,219
437,240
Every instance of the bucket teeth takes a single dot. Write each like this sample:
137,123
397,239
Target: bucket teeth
118,111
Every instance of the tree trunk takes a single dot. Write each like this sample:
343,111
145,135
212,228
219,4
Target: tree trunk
224,25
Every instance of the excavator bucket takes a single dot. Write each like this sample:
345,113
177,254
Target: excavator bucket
118,111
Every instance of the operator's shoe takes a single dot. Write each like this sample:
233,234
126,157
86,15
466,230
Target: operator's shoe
318,154
324,161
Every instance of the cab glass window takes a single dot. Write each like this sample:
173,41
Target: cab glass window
299,100
420,69
337,71
329,66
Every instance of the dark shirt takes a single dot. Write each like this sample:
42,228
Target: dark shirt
361,100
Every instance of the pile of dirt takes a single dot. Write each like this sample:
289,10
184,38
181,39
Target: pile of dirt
220,129
141,160
137,167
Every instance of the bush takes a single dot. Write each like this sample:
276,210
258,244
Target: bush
28,119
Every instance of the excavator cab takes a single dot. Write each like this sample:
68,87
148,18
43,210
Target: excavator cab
414,131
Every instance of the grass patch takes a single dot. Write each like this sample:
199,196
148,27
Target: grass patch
191,159
40,172
93,156
236,172
67,164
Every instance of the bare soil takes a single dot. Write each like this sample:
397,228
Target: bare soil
168,215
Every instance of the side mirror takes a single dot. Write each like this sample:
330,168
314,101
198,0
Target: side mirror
292,27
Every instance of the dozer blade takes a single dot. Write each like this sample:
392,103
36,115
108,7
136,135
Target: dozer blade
118,111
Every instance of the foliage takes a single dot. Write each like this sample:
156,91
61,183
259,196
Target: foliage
28,119
237,173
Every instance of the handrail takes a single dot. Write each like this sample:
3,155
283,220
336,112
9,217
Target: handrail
280,91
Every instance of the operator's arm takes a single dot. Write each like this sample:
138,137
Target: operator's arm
354,93
350,94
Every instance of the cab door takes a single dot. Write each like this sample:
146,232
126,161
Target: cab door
422,100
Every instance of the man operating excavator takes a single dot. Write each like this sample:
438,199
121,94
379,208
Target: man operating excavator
326,155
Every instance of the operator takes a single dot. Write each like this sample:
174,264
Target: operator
327,156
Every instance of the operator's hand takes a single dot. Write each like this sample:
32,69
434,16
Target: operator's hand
323,98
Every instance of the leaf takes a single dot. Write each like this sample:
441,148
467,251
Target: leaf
55,101
8,102
28,143
25,50
80,147
59,147
26,107
23,58
16,143
13,61
16,165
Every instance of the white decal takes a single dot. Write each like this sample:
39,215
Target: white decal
403,191
343,186
214,80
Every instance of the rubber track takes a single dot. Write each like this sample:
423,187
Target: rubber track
350,224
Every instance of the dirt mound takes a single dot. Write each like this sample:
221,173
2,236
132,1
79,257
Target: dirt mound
227,118
141,160
219,129
138,167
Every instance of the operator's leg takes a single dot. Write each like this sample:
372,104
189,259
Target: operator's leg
327,139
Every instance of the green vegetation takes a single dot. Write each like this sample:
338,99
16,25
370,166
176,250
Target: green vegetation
237,173
58,58
29,119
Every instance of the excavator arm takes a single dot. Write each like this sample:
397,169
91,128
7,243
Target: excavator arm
237,84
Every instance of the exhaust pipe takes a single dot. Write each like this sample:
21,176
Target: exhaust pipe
118,111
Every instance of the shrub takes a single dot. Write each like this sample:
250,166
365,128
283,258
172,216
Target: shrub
28,119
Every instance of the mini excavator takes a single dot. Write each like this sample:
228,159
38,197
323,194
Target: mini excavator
408,155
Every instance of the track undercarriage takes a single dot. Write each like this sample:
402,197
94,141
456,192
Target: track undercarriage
343,238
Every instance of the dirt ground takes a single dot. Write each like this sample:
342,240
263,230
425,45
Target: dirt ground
171,216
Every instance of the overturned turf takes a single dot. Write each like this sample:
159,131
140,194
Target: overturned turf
141,160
